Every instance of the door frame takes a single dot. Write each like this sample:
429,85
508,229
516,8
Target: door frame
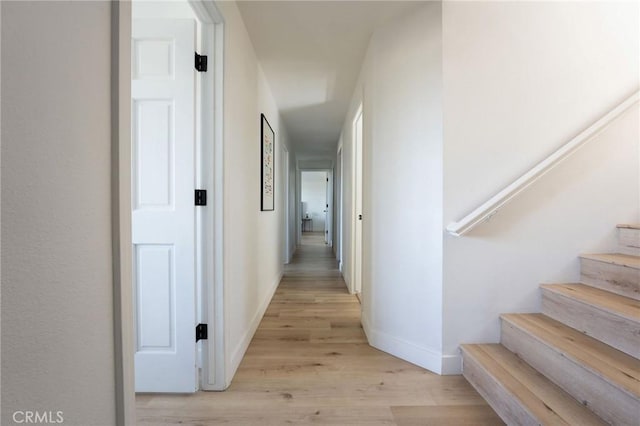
357,193
329,206
211,40
329,197
287,220
339,187
212,375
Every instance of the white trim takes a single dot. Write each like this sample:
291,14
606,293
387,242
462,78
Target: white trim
238,353
218,198
329,207
403,349
287,219
485,211
121,212
299,197
298,207
213,353
451,364
356,183
340,206
203,168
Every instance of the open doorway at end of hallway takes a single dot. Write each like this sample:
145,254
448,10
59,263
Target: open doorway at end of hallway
315,207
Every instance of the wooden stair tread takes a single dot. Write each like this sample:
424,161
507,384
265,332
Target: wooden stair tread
629,225
541,398
615,259
616,367
601,299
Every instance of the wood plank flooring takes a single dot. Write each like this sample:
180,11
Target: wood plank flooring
309,363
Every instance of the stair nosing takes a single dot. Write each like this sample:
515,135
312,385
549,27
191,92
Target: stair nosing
628,226
571,355
610,258
552,287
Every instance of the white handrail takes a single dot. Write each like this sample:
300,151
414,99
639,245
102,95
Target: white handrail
491,206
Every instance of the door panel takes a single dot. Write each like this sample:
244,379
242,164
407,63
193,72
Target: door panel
154,147
155,297
163,140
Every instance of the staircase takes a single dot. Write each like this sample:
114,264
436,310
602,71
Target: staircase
578,362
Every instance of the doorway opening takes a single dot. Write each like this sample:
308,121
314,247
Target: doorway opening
316,206
287,226
357,202
339,204
168,144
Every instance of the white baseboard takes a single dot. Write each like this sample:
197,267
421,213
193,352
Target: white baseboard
422,357
451,364
347,282
243,345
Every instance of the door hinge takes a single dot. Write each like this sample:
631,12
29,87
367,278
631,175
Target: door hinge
201,197
201,332
201,62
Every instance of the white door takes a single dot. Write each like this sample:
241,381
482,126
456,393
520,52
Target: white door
326,211
163,111
357,226
340,202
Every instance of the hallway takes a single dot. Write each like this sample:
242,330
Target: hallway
309,363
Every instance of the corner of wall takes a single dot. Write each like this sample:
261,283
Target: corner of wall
408,351
451,364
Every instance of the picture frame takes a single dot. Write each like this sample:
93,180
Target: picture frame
267,169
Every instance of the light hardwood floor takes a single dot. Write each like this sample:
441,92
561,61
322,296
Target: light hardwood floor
309,363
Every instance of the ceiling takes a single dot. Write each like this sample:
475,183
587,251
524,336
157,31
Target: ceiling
311,53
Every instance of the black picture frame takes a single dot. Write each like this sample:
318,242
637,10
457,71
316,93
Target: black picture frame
267,165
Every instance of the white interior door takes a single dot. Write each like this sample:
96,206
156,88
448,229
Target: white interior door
326,211
163,117
357,225
340,204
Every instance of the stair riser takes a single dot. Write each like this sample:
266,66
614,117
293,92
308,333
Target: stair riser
607,401
616,331
633,251
629,241
618,279
502,401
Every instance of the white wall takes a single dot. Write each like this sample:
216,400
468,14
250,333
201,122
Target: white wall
252,263
57,287
314,195
400,84
520,79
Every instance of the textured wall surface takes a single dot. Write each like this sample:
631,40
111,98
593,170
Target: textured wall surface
57,319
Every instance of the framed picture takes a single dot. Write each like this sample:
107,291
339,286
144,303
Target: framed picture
267,141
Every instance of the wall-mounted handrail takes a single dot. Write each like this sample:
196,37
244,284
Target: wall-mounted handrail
491,206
